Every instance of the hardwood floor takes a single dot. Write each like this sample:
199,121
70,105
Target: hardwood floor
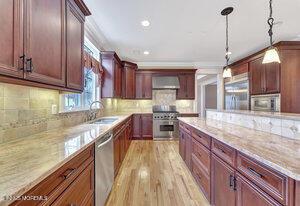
154,174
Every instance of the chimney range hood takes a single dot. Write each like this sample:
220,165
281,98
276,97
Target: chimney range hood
165,82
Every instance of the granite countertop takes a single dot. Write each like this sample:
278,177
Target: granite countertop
280,115
280,153
27,161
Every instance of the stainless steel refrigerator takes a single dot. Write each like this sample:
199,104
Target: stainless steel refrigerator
237,93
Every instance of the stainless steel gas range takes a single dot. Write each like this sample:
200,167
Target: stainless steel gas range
165,122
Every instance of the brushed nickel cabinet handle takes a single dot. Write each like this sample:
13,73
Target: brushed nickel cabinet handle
68,173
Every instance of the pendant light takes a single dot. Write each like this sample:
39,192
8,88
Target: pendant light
271,54
227,70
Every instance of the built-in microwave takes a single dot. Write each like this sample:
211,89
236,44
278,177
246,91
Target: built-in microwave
270,103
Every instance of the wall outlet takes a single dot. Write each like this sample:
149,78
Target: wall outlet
54,109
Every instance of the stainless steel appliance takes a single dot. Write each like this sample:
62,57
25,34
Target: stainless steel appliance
165,122
165,82
270,103
237,93
104,168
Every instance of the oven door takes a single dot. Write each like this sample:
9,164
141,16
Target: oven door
165,129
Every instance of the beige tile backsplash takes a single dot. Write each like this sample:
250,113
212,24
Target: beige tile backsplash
26,111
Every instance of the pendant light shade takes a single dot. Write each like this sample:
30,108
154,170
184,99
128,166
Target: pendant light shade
227,70
271,54
227,73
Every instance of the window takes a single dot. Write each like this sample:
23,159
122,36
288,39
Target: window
91,92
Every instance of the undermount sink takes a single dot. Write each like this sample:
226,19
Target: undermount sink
104,121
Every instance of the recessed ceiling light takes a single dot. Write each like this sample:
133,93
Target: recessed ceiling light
146,52
145,23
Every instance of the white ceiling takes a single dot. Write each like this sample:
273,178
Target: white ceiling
190,32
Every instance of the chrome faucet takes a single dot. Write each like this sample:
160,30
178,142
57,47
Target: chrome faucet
92,114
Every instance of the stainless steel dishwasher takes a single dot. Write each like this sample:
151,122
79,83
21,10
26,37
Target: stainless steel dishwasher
104,168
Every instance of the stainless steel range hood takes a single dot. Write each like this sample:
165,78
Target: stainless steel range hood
165,82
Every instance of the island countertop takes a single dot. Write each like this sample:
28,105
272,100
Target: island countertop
279,153
26,162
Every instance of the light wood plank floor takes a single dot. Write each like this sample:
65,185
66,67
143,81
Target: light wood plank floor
154,174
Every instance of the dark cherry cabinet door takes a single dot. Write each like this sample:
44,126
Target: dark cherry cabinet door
249,194
139,86
272,78
45,48
187,86
147,86
143,86
182,144
75,35
223,193
256,76
117,79
136,126
129,80
181,92
147,126
117,149
190,86
11,38
188,150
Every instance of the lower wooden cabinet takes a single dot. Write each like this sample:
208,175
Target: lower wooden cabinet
142,126
248,194
80,191
229,178
122,140
223,183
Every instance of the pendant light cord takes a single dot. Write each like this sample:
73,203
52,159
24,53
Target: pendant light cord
227,47
271,23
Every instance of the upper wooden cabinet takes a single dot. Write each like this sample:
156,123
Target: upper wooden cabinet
128,80
45,41
239,69
112,82
11,38
264,78
187,86
75,35
143,85
41,42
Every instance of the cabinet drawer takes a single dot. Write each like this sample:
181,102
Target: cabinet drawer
202,154
202,138
225,152
58,181
201,178
272,182
80,191
185,127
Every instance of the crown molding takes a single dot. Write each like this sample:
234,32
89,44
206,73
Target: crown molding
180,65
95,35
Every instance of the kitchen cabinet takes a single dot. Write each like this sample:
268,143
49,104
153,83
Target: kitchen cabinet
264,78
11,38
72,183
142,126
187,86
249,194
239,69
143,86
223,183
81,191
228,177
122,139
112,82
128,80
75,39
43,43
